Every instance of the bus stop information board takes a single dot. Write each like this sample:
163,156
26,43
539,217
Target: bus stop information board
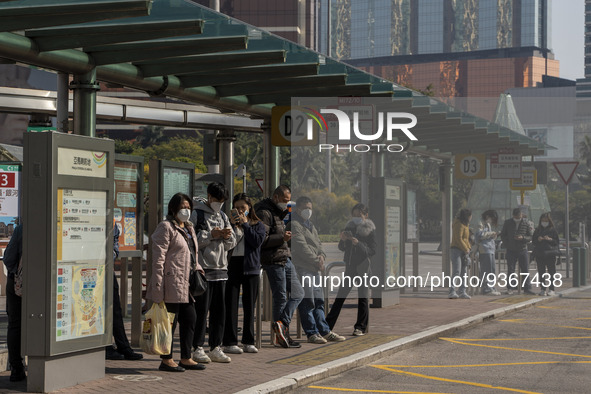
10,175
126,211
80,280
67,248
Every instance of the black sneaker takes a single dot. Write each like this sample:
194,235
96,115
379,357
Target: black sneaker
279,329
290,341
17,374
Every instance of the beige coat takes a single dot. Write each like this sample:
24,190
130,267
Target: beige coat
171,263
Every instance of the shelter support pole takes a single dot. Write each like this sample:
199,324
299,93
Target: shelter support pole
364,180
226,155
446,179
62,102
85,87
270,161
377,164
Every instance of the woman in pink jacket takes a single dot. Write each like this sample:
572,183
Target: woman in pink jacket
174,251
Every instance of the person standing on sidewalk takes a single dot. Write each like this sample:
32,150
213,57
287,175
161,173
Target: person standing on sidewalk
285,286
485,239
244,270
460,249
174,252
308,258
12,257
124,350
359,244
216,238
516,234
546,249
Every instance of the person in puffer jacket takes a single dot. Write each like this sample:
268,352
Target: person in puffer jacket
546,250
359,244
485,240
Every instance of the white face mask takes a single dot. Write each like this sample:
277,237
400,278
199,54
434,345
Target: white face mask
545,224
282,205
517,220
306,214
216,206
357,220
489,221
183,215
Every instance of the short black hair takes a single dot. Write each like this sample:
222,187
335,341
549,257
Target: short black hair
174,205
516,211
218,191
491,213
303,200
281,190
361,208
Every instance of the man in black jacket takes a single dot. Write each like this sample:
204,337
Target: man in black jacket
516,234
276,261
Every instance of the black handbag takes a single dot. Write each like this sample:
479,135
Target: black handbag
197,283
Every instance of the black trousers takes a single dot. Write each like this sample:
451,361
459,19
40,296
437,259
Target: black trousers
362,305
213,300
14,311
250,291
119,334
544,263
185,318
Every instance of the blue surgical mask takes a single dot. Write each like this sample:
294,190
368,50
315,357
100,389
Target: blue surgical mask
246,213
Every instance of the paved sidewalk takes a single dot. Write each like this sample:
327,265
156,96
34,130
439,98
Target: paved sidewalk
423,312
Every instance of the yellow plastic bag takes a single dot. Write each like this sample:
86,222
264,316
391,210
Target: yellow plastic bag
157,330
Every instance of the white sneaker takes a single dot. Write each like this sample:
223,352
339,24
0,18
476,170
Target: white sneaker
334,337
317,339
357,332
232,349
464,296
250,349
218,356
200,356
551,293
542,293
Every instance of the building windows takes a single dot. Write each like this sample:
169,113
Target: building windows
430,26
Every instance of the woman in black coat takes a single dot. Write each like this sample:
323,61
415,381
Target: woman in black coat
244,269
545,241
359,244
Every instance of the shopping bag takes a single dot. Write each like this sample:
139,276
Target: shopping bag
156,335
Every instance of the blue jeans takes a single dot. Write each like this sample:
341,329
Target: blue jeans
283,279
487,266
458,268
311,308
523,258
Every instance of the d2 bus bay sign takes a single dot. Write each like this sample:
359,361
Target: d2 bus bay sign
298,126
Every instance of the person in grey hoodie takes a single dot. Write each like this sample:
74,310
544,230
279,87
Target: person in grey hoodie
485,239
215,238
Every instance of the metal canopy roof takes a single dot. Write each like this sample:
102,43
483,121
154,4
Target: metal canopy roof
180,49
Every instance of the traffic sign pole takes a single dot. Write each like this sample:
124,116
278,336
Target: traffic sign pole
566,170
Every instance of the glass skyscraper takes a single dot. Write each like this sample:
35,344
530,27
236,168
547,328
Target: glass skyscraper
374,28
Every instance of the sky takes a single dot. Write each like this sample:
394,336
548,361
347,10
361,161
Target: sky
568,37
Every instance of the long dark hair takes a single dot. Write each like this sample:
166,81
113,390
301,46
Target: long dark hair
251,213
464,216
174,205
547,216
